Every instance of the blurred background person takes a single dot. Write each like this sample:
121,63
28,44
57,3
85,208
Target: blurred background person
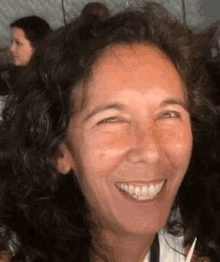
27,33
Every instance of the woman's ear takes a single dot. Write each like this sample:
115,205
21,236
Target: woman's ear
63,160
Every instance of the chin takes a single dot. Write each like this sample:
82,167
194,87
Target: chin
17,63
147,226
136,226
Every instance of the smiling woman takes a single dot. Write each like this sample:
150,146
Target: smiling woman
143,146
100,146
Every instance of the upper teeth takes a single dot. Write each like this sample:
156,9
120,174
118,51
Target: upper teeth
142,192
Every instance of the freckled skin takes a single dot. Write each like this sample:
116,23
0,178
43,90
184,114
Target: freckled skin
145,140
21,48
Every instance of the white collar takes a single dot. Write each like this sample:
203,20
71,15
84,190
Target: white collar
171,248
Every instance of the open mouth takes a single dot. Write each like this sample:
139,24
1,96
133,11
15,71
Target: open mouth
143,192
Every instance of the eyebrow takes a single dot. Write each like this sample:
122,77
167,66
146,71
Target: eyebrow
121,107
98,109
175,101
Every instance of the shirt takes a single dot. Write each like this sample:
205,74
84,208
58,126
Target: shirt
171,248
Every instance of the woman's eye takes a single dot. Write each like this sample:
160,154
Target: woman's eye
171,114
15,42
109,120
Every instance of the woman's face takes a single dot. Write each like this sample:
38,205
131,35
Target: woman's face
131,145
21,48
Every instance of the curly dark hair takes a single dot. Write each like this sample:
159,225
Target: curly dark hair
43,214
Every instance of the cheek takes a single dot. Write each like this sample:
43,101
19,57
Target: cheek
177,142
105,148
27,52
31,51
20,53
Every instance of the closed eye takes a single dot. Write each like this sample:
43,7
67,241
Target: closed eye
110,120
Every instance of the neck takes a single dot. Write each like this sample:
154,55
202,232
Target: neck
117,247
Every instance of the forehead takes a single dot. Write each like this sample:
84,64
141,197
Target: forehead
133,57
132,64
18,33
137,67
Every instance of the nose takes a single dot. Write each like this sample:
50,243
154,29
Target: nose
147,148
12,49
